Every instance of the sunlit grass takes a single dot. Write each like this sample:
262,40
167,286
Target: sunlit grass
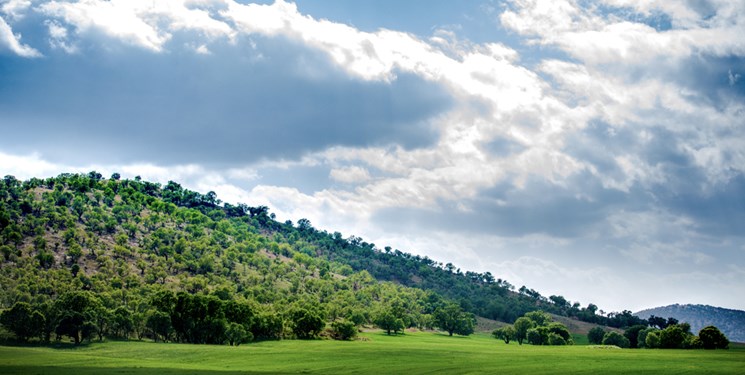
413,353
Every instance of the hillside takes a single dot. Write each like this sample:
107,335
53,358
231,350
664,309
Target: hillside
730,322
137,250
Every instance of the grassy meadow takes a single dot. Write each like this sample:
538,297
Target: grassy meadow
418,352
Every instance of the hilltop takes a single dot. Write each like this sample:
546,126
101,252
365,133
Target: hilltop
730,322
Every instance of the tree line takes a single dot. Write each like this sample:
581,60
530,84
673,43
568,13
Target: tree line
661,333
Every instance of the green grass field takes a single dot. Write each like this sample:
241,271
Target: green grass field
413,353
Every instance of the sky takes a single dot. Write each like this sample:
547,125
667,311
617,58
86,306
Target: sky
589,149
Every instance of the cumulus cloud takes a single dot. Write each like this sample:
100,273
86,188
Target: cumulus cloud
350,175
11,41
596,37
15,9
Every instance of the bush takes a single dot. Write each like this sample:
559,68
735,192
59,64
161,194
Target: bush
343,330
615,338
673,337
712,338
632,333
537,336
642,338
595,336
562,331
505,333
555,339
652,341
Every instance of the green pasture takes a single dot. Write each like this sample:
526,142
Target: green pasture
413,353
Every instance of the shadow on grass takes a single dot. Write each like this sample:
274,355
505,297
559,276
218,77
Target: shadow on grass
454,336
56,370
51,345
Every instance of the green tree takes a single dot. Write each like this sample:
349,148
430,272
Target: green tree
343,329
77,312
632,333
537,336
712,338
388,322
652,341
555,339
522,325
237,334
641,340
560,330
452,319
159,324
615,338
595,335
673,337
122,322
505,333
307,323
539,318
23,321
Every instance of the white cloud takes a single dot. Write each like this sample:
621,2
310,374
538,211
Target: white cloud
13,41
595,38
350,175
24,167
15,9
733,77
58,37
143,23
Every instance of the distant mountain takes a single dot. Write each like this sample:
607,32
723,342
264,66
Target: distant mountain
730,322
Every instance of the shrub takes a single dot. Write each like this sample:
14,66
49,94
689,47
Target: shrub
343,330
555,339
595,336
712,338
505,333
615,338
652,341
673,337
642,338
537,336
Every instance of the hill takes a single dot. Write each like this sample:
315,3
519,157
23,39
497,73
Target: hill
134,251
730,322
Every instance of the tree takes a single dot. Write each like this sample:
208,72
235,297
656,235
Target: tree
77,312
307,323
539,317
122,322
615,338
343,329
712,338
522,325
560,330
159,324
657,321
537,336
632,333
452,319
388,322
673,337
652,341
555,339
237,334
505,333
595,336
23,321
641,340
